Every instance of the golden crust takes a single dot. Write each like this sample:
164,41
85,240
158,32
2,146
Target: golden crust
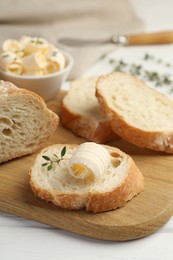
12,89
131,186
95,201
154,140
99,132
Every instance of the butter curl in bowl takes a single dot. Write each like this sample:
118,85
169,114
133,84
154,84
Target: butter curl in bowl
35,64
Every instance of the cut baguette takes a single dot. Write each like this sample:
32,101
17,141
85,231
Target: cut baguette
25,122
119,184
138,113
81,113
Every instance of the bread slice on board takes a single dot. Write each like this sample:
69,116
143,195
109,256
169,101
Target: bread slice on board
138,113
81,113
25,122
120,182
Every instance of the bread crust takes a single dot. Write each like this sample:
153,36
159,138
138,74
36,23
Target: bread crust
131,186
154,140
88,128
95,202
10,90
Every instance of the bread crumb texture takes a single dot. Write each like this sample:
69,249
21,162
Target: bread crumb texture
140,114
25,122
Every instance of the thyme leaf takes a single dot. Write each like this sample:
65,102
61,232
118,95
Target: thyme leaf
49,167
63,152
57,159
44,164
148,56
46,158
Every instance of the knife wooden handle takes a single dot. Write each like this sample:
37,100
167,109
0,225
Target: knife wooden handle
151,38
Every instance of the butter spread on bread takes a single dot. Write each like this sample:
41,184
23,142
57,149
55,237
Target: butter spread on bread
89,161
119,183
25,122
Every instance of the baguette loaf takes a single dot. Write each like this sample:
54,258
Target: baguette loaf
81,113
119,183
139,114
25,122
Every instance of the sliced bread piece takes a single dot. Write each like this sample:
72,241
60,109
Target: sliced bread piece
119,183
138,113
25,122
81,113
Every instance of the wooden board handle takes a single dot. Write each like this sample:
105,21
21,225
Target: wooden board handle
151,38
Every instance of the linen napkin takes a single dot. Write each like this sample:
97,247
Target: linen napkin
53,19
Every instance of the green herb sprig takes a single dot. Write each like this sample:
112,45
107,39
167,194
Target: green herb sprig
56,159
158,79
137,70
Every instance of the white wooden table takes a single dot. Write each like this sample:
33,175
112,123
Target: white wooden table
24,239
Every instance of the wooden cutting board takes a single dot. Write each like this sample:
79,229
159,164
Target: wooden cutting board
140,217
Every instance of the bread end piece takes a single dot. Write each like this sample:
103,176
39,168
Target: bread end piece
25,122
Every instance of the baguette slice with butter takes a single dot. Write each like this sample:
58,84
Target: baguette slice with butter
138,113
25,122
119,183
81,113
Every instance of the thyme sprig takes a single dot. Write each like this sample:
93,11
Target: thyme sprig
56,159
156,78
137,70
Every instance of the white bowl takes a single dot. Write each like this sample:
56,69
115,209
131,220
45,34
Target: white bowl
46,86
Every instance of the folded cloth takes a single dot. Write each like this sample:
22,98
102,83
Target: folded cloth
53,19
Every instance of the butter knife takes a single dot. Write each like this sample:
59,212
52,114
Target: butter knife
164,37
